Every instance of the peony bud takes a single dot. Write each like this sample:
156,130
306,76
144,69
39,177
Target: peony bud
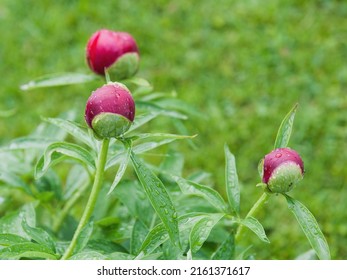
282,169
110,110
115,51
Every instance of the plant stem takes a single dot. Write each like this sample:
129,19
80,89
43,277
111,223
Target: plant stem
107,76
260,202
100,168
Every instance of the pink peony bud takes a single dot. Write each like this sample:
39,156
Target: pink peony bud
110,110
115,51
282,169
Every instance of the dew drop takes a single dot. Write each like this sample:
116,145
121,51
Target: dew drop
166,211
174,215
278,155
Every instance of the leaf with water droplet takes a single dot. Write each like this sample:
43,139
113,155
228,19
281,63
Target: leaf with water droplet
39,235
232,182
27,250
89,255
8,239
285,129
140,149
83,237
138,235
226,250
211,195
57,152
201,231
158,235
254,225
74,129
138,206
310,227
59,79
157,195
121,170
12,222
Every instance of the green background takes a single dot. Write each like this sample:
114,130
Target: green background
243,64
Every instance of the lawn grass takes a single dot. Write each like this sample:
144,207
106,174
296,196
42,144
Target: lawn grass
243,64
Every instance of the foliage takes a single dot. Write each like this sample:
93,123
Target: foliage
272,58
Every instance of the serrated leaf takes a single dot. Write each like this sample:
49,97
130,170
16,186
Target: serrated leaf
121,170
59,79
310,228
39,235
26,250
159,198
8,239
12,222
83,237
201,231
74,129
54,153
285,129
211,195
232,181
226,250
254,225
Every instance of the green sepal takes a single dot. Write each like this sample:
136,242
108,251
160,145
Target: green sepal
285,177
110,125
125,67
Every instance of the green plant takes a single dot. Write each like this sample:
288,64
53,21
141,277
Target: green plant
159,214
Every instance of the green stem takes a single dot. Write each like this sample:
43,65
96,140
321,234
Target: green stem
100,168
260,202
107,76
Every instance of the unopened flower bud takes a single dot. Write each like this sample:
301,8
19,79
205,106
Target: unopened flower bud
115,51
110,110
282,169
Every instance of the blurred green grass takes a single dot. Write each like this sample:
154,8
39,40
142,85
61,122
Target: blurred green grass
244,64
